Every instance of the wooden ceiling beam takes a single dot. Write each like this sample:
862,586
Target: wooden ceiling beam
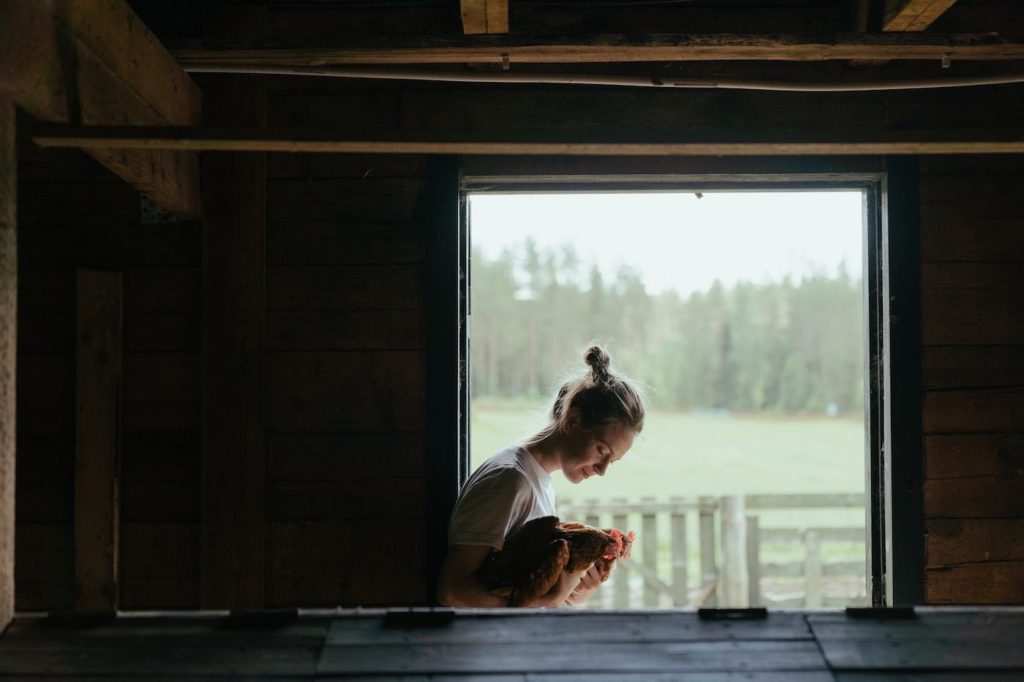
484,16
95,62
605,49
766,143
913,15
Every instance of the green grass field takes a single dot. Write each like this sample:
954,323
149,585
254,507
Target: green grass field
688,455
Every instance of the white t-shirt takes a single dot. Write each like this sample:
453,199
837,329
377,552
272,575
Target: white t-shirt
506,491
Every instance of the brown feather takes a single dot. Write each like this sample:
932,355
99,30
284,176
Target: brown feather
535,556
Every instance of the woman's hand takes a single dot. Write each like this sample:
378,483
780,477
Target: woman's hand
567,582
590,581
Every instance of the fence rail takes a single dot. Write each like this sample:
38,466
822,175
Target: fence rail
708,551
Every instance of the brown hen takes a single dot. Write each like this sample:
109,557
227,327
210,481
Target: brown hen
534,557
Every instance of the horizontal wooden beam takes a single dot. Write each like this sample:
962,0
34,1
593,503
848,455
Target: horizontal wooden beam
913,15
8,352
95,62
770,143
603,49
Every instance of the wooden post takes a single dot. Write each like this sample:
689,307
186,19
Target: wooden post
754,560
649,546
99,324
708,572
812,570
620,581
8,352
234,461
680,557
735,590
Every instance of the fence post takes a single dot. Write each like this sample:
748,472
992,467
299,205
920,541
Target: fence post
620,580
812,570
754,560
649,545
680,585
735,584
708,572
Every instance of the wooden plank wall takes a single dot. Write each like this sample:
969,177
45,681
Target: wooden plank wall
75,214
972,252
345,371
345,376
345,363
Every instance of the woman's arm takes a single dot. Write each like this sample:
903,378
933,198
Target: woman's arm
458,585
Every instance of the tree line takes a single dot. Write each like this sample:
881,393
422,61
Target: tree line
792,346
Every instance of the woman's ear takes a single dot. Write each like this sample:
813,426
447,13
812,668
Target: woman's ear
572,418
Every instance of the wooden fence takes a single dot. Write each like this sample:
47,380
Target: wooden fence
709,551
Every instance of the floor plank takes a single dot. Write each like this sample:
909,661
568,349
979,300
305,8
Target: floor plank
933,640
589,627
597,677
571,654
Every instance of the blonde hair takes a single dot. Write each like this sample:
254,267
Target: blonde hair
599,396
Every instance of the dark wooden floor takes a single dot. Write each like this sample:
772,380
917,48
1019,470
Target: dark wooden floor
507,646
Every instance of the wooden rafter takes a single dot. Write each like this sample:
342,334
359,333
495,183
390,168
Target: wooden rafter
913,15
603,49
95,62
484,16
957,141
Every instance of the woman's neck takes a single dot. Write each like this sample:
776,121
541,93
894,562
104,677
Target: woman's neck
547,452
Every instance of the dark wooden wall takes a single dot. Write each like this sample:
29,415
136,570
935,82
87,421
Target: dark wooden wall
344,372
345,365
75,214
972,255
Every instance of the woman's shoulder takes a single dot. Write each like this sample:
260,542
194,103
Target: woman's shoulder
506,465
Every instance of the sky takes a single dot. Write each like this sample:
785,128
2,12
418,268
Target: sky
681,240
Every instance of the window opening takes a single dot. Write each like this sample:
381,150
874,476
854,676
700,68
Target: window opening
743,315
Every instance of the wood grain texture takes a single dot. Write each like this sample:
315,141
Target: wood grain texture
484,16
95,62
996,582
99,323
931,641
725,143
161,477
8,352
977,497
318,392
233,358
962,541
499,646
162,393
984,410
913,15
555,656
45,569
45,485
613,48
968,455
160,565
965,367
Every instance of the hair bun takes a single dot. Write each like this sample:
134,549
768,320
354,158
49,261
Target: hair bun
598,361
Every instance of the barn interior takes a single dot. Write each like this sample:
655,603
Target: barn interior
233,318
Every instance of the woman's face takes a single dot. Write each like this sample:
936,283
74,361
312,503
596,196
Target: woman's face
589,452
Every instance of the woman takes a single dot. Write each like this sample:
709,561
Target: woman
593,421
